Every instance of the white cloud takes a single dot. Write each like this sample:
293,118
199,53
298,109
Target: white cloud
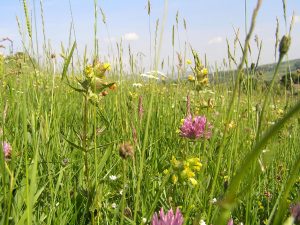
215,40
131,36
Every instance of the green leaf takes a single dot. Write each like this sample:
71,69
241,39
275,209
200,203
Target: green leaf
67,62
73,144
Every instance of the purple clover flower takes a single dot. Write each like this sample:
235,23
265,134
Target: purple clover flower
6,150
167,219
195,128
230,221
295,211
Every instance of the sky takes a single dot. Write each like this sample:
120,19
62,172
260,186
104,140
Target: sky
209,25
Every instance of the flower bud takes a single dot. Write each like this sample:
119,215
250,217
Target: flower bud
126,150
7,149
284,45
104,93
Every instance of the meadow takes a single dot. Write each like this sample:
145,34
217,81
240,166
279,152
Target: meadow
86,142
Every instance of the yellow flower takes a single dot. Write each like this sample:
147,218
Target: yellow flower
191,78
106,66
280,112
231,125
187,173
193,181
195,163
175,162
204,71
174,179
260,205
189,62
100,69
88,71
204,81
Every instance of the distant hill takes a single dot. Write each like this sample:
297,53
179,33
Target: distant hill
268,69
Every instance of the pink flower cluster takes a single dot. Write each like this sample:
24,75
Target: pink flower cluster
195,128
6,150
168,219
295,211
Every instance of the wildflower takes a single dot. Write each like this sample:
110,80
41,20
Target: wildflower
193,181
230,221
191,78
189,62
295,212
114,205
88,71
204,81
155,74
195,128
260,205
6,150
167,219
100,69
126,150
137,85
202,222
185,170
280,112
187,173
174,179
204,71
144,220
113,177
213,201
175,163
231,125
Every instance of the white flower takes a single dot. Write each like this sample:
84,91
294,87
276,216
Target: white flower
149,76
113,177
114,205
202,222
154,75
144,220
137,85
121,192
213,201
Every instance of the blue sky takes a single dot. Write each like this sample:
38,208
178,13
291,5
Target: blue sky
209,23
